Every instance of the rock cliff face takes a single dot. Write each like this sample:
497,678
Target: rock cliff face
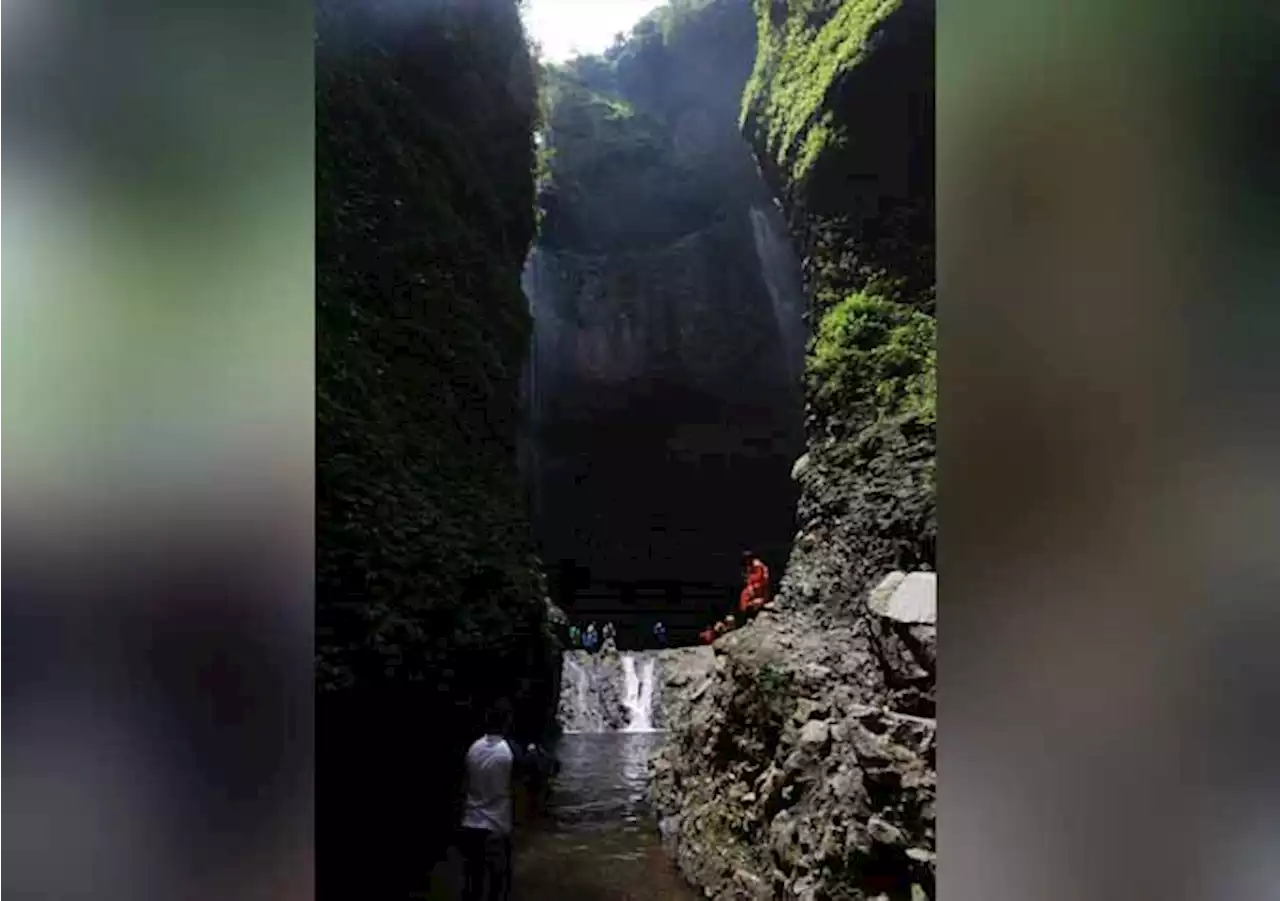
786,775
668,336
695,311
805,767
429,599
658,379
591,693
840,111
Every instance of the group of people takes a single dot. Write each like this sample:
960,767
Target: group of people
754,595
592,639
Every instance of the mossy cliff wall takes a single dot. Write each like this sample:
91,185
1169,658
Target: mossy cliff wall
803,767
429,597
839,109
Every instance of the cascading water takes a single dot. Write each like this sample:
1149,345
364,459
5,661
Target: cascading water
638,698
609,693
781,275
531,395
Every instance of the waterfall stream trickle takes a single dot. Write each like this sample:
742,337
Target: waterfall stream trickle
781,274
639,693
610,693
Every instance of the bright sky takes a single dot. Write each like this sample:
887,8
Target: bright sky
567,28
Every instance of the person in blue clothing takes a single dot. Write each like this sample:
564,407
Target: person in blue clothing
660,634
591,638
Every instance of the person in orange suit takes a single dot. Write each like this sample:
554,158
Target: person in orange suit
756,590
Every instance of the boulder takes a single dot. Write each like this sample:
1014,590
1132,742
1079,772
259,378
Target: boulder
910,598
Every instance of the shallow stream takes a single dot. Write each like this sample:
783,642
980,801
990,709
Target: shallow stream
595,839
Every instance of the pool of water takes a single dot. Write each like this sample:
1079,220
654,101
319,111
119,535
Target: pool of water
596,839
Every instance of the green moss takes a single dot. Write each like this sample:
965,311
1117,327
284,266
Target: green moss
874,358
429,597
424,213
811,110
820,139
798,60
591,134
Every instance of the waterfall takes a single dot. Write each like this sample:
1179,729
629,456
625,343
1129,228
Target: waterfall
638,698
610,692
530,382
533,378
781,275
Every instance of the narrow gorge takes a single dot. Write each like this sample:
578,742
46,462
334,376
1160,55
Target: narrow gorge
588,328
665,368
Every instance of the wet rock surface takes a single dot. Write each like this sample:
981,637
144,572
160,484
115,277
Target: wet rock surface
787,771
683,675
591,693
593,686
667,305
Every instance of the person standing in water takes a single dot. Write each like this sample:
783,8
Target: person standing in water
485,831
590,638
660,634
575,636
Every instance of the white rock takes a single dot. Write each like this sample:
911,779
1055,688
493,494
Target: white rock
885,833
907,598
815,733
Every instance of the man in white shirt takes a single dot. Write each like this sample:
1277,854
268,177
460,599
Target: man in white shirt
485,839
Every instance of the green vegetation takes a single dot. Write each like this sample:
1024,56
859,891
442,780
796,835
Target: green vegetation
612,125
604,154
593,135
671,30
774,681
874,358
842,122
429,597
424,214
787,103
